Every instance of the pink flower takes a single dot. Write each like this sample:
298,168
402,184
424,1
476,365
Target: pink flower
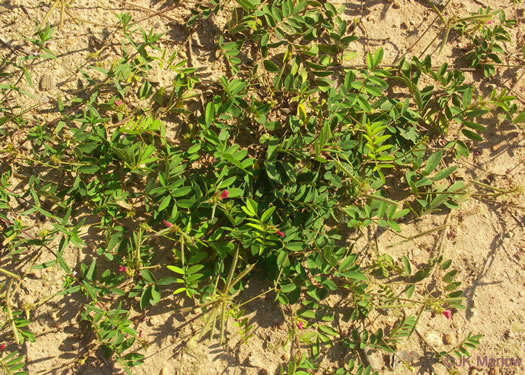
224,194
300,325
122,269
117,102
280,233
2,346
167,224
140,334
447,313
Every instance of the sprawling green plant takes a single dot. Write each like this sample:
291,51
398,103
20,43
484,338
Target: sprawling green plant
269,173
487,48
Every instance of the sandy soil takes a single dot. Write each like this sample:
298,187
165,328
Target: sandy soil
485,237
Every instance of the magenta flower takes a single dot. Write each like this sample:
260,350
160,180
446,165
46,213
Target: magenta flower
167,224
224,194
117,102
2,346
140,334
300,325
447,313
122,269
280,233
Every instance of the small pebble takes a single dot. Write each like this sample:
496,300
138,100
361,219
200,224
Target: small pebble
375,360
255,362
154,321
434,339
47,82
447,339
